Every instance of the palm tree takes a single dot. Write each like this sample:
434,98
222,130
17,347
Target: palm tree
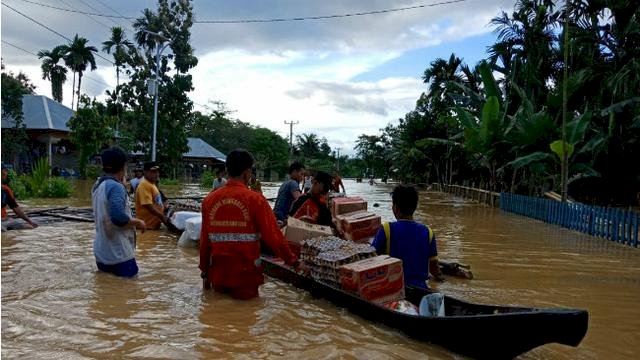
440,73
121,47
77,57
52,71
309,144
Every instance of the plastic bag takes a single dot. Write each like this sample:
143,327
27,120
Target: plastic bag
179,218
403,306
432,305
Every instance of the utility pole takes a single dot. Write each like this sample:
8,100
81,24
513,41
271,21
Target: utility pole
291,123
564,168
338,162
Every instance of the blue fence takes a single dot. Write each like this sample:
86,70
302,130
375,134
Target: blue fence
613,224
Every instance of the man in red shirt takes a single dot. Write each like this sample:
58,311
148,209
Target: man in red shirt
235,220
312,207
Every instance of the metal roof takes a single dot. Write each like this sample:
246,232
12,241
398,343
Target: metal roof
41,113
198,148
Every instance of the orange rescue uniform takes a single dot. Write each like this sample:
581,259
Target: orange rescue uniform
234,222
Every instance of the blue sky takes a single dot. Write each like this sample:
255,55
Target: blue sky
338,77
413,62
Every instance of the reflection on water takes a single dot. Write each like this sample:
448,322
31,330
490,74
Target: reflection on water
56,304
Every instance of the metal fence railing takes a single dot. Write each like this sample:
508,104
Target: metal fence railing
610,223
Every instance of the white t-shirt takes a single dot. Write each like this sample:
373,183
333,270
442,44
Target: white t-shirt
219,183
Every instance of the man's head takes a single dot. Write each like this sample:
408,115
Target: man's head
296,171
405,201
113,161
220,173
321,184
151,171
239,163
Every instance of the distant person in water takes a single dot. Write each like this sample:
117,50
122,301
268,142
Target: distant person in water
312,207
136,180
254,183
9,200
408,240
114,244
289,191
219,181
149,204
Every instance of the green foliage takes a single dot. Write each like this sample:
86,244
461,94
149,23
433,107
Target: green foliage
206,181
170,182
13,88
56,187
39,183
93,171
91,129
39,175
20,185
506,126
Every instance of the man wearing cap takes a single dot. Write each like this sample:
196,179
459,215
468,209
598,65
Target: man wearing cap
114,246
148,198
8,199
136,180
235,222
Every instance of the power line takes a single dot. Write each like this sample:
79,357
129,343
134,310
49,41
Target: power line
89,16
322,17
53,31
34,54
18,47
37,22
267,20
115,11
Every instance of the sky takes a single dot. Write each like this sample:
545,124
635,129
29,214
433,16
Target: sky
338,78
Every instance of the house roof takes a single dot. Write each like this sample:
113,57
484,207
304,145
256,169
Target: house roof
198,148
41,113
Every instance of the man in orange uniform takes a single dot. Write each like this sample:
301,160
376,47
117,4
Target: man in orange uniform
234,222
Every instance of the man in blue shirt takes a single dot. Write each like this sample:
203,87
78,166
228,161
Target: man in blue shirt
114,244
408,240
289,191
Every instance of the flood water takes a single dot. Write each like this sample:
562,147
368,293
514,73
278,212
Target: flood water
55,304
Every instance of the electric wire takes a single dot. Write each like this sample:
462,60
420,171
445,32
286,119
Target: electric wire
50,29
36,55
269,20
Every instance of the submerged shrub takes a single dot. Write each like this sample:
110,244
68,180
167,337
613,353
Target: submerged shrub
206,180
57,187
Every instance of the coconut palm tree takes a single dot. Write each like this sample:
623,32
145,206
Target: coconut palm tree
53,71
309,144
121,46
78,55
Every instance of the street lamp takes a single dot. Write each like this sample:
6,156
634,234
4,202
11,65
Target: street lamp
161,44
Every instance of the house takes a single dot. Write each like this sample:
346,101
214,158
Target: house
200,157
45,121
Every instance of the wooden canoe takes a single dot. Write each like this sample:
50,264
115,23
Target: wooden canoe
478,331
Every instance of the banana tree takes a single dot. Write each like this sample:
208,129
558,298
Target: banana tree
580,152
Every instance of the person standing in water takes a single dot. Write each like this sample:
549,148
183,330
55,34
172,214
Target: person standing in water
114,244
235,222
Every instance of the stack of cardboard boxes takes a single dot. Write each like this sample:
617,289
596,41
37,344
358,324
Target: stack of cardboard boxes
353,220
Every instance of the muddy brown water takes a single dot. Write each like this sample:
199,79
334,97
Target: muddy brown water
55,304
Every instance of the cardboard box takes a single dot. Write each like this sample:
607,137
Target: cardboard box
379,279
297,230
343,205
358,226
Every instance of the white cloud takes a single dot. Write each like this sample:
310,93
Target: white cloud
273,72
